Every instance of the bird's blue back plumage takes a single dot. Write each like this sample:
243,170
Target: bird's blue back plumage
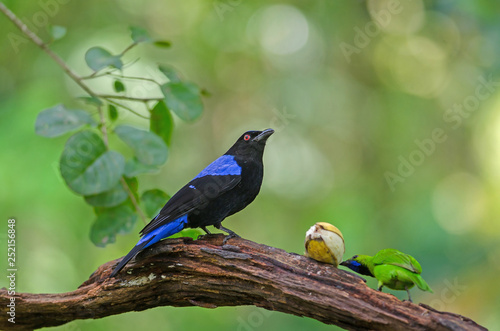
224,165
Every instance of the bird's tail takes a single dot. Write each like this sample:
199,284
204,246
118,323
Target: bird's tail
421,283
151,238
137,248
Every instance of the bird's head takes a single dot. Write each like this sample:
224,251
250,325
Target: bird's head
250,142
359,264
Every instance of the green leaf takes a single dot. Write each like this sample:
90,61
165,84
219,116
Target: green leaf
98,58
91,100
205,93
57,32
110,198
183,98
133,185
86,166
147,146
118,86
161,122
162,43
153,201
112,112
111,222
139,35
170,73
58,120
192,233
133,168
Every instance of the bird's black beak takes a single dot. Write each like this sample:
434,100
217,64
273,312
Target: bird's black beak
345,263
263,135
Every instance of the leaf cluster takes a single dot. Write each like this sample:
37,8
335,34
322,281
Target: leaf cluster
105,178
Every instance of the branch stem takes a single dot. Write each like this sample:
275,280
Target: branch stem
134,201
127,108
124,97
78,80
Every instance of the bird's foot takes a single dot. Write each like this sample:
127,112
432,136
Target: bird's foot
207,233
229,236
409,297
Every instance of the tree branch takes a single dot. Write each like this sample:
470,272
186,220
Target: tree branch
181,272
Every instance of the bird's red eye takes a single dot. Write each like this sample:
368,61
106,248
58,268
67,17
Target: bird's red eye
246,137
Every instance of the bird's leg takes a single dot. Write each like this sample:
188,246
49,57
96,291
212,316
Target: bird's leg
231,234
204,228
380,288
408,291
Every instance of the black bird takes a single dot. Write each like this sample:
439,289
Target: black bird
223,188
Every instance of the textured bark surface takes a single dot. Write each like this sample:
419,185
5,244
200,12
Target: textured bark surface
182,272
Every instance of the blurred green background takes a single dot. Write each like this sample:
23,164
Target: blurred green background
388,126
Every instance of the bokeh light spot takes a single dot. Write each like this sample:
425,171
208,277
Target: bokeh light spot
458,202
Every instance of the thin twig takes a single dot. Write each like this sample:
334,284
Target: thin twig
134,201
124,97
128,49
103,126
95,75
127,108
134,78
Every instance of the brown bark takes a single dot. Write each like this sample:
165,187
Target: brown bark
182,272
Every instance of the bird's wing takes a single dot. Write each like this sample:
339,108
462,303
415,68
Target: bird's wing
394,257
194,195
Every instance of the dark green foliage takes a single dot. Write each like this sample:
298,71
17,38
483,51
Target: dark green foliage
149,149
183,98
110,198
112,112
170,73
140,35
57,32
134,167
110,222
98,58
58,120
118,86
162,43
161,122
153,201
86,165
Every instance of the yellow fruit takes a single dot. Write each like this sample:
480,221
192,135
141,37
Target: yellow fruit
325,243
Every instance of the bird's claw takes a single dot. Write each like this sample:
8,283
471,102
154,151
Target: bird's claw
230,236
